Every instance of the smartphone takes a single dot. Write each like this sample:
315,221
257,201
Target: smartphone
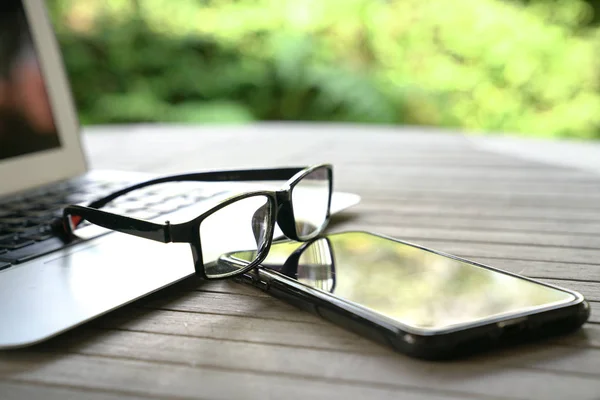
422,302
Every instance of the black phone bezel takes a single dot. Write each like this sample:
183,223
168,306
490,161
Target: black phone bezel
447,343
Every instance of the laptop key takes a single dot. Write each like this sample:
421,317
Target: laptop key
14,221
32,230
4,265
49,200
6,213
4,234
8,236
38,237
46,214
19,206
164,208
32,251
15,243
144,214
22,229
36,213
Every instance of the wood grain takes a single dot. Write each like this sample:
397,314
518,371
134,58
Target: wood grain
19,391
463,208
168,380
234,304
218,340
375,216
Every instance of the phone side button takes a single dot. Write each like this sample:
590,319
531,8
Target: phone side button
262,285
512,328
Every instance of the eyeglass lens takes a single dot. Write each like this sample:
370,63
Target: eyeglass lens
243,225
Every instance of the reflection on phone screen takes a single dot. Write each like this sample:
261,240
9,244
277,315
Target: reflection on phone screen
416,287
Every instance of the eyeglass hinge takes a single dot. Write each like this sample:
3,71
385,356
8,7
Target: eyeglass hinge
167,232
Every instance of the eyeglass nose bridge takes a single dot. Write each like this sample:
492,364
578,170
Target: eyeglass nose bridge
282,197
285,214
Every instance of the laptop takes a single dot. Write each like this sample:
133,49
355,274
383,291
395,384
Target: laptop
47,287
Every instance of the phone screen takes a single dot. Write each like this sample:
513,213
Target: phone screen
416,287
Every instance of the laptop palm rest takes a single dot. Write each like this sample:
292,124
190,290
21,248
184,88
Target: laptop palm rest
68,288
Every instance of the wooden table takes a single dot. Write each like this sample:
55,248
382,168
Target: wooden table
225,340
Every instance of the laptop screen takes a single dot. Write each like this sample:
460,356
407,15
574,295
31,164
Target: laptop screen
26,120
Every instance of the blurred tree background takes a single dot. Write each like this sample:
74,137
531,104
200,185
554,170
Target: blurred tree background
519,66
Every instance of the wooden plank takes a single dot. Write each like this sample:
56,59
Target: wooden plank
236,328
171,380
432,160
399,159
106,151
232,304
229,286
465,209
480,223
476,193
360,367
194,283
443,185
472,170
388,175
343,375
157,347
588,336
19,391
595,312
473,196
311,144
545,239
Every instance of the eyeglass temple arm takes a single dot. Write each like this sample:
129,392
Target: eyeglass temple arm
272,174
73,215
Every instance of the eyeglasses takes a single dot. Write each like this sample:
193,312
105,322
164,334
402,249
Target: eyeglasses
245,221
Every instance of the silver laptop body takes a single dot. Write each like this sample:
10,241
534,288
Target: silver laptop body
46,295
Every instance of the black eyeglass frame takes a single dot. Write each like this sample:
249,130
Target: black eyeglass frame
281,211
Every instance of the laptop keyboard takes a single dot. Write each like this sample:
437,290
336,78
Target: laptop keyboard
25,220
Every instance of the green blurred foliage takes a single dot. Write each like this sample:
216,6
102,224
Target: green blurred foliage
528,66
